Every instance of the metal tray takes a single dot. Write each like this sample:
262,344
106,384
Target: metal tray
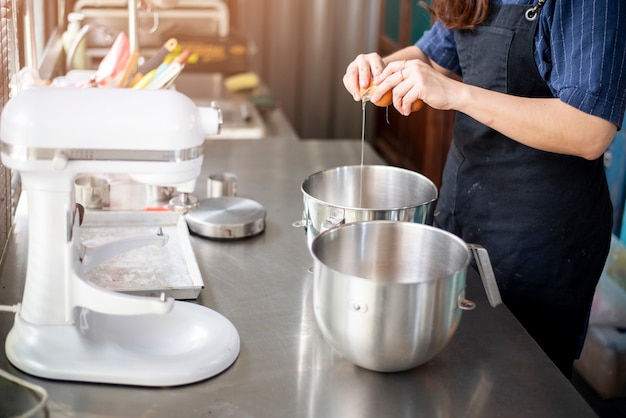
151,270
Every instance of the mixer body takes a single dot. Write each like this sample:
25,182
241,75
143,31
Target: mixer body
68,328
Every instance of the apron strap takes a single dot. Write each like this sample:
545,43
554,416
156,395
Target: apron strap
533,12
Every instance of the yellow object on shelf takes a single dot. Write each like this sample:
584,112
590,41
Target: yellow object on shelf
243,81
145,80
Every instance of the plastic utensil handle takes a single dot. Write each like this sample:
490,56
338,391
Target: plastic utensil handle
158,57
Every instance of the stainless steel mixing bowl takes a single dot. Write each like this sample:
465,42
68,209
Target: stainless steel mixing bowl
388,295
361,193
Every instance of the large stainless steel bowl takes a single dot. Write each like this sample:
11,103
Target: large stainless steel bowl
362,193
388,295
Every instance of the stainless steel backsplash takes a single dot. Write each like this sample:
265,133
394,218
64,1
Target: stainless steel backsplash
303,48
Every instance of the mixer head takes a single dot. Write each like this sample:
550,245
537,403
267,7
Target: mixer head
156,136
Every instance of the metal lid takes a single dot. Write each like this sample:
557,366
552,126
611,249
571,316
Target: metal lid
227,217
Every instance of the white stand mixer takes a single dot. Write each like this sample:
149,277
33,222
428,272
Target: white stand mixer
68,328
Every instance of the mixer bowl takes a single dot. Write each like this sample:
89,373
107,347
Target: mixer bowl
388,296
362,193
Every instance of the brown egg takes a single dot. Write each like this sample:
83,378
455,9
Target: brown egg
417,105
387,99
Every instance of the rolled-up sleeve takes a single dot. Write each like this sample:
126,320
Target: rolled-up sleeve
581,54
438,44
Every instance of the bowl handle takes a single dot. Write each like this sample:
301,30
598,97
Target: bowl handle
465,304
336,217
486,274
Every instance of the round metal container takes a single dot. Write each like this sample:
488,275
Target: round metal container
222,184
93,192
362,193
387,295
227,217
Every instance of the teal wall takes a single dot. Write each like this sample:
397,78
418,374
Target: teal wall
420,20
392,19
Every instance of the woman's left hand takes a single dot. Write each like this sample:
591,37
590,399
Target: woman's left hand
413,81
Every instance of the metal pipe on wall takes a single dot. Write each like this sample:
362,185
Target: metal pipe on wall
133,26
38,19
30,35
61,13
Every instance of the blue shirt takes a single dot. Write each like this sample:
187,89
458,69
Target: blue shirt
579,50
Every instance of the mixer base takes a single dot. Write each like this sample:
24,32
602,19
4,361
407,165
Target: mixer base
189,344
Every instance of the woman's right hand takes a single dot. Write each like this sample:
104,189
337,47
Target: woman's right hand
361,72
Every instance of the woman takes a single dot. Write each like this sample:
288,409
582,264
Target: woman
539,92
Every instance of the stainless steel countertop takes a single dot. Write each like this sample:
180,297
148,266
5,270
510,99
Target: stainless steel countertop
491,368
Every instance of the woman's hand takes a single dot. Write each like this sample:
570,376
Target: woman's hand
361,72
398,71
414,81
